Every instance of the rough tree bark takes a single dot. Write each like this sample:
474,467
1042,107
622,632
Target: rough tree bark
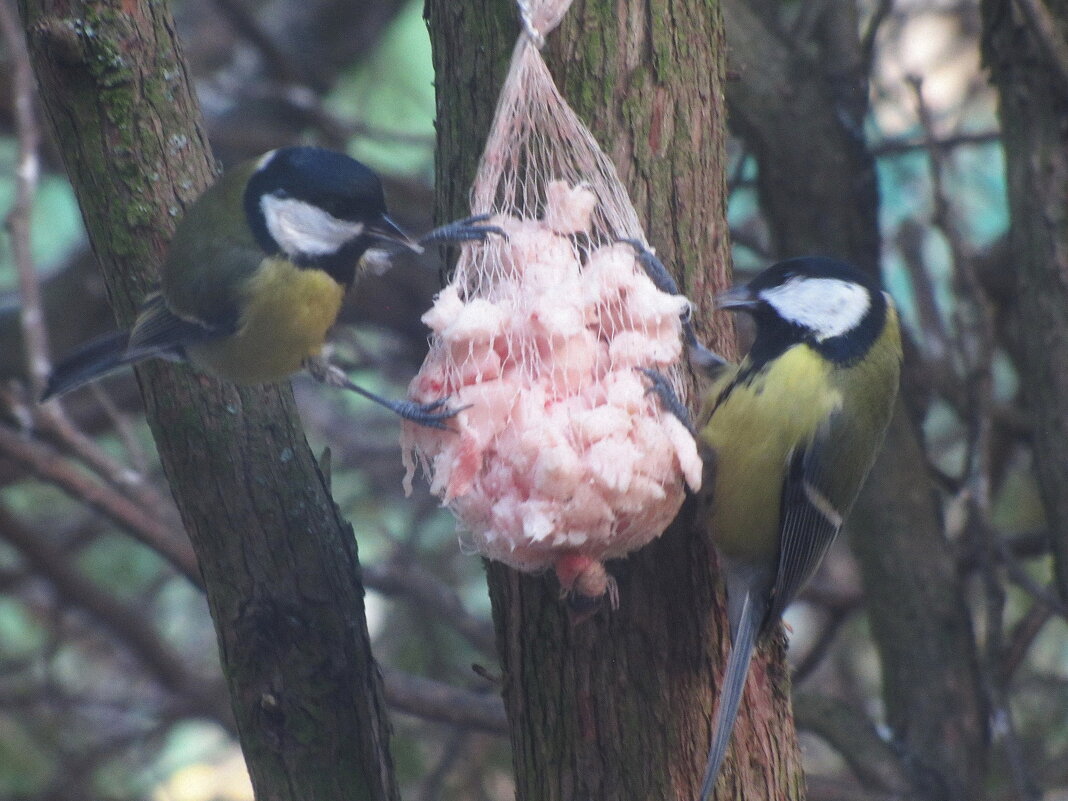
1026,49
619,707
802,115
279,564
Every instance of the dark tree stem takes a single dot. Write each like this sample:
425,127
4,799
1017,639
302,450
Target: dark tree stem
618,707
278,562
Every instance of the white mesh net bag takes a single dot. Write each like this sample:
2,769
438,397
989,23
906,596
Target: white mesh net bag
563,458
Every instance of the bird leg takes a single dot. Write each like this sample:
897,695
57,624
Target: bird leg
661,387
469,229
431,415
707,361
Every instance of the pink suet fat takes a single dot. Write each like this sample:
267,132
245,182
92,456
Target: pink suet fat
562,457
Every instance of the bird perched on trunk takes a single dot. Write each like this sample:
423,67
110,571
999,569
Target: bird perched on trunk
788,437
255,276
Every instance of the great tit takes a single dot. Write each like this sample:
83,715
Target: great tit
256,273
788,437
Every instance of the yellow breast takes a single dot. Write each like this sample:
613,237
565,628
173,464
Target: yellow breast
753,433
287,315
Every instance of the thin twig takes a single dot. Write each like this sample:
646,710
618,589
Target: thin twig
31,317
910,241
34,331
455,745
899,147
52,421
124,428
1026,545
836,618
126,624
845,728
808,17
43,462
1022,637
974,321
1021,578
305,101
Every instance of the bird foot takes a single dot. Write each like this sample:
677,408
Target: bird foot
432,415
469,229
661,387
707,361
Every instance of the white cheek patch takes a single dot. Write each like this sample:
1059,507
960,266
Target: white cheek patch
265,159
300,228
829,307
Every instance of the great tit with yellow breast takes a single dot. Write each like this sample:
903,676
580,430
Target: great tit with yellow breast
791,434
788,437
256,273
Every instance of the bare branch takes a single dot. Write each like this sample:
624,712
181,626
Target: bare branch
821,789
1023,636
853,736
432,597
432,784
335,127
123,426
435,700
43,462
836,618
892,147
127,624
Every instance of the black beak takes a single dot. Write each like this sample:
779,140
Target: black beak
739,297
388,231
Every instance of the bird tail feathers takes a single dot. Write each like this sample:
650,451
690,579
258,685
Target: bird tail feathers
745,636
92,360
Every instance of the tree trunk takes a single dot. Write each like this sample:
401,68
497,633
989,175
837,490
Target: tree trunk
279,564
1029,62
619,707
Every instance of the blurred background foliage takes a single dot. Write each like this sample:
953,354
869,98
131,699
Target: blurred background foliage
102,642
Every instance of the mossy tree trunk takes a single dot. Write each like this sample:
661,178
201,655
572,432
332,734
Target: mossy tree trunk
278,562
619,707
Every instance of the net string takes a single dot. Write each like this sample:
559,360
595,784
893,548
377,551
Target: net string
536,137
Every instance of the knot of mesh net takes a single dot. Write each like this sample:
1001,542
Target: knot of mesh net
540,17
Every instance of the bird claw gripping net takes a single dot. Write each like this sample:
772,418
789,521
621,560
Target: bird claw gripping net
561,457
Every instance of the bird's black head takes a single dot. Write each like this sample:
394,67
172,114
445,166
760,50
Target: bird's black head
319,208
831,306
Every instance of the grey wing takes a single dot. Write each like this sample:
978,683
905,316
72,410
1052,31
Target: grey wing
160,332
809,523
